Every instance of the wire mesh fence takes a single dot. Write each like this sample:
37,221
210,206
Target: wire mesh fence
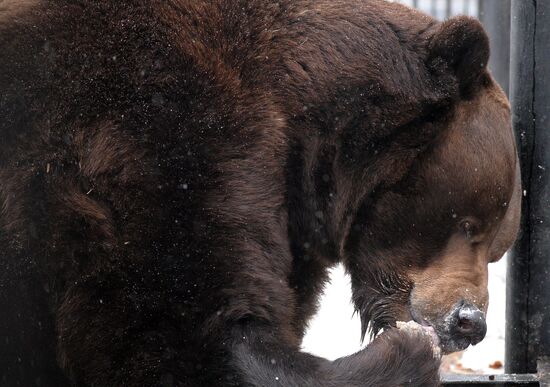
443,9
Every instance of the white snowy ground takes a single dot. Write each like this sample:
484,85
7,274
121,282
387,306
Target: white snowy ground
335,331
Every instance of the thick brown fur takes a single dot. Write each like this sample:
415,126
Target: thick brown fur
177,176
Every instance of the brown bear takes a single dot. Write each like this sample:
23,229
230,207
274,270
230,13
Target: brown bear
177,176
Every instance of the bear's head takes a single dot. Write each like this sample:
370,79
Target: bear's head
430,237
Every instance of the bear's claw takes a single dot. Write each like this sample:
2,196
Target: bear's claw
414,327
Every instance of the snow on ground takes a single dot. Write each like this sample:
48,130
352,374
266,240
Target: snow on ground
335,331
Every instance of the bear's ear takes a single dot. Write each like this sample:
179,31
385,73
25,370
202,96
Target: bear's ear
462,44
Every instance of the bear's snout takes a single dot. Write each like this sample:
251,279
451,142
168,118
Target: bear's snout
464,325
469,323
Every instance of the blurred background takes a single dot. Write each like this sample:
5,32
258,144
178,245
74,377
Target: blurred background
335,331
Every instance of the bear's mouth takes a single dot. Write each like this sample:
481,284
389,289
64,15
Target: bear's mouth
447,342
450,344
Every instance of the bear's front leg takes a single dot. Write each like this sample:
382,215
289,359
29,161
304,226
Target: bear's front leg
405,356
398,357
104,340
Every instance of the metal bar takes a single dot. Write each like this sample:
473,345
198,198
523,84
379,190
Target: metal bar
448,9
490,380
517,282
539,300
543,370
528,292
500,384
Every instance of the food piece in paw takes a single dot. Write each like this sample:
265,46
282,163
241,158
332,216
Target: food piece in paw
414,327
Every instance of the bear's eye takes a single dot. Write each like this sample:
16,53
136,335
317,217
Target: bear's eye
470,229
467,228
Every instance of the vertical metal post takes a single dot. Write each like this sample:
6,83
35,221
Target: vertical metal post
495,16
528,293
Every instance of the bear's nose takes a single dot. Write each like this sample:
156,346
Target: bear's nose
470,323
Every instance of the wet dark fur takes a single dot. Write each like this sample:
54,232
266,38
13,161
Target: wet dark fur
176,177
